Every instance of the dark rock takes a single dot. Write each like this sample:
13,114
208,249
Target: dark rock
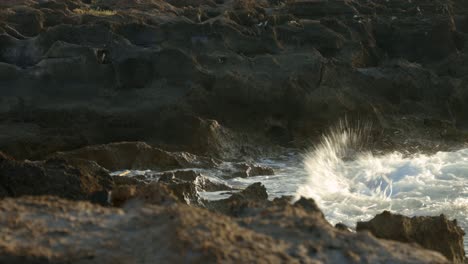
321,8
202,183
241,203
200,136
74,179
255,191
435,233
250,170
342,227
125,180
152,193
308,205
137,155
75,74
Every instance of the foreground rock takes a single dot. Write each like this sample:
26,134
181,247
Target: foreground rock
73,179
47,229
435,233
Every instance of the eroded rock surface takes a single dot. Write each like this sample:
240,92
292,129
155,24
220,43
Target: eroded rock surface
137,155
220,77
48,229
74,179
435,233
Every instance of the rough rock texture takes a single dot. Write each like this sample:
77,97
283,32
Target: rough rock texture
73,179
195,73
137,155
202,183
245,170
435,233
153,193
50,230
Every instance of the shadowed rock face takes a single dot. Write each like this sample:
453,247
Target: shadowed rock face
74,179
191,75
435,233
78,232
137,155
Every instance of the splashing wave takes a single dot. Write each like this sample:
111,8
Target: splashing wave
351,184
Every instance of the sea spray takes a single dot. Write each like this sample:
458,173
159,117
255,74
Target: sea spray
351,184
328,161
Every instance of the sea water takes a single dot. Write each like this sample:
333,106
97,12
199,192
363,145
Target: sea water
351,184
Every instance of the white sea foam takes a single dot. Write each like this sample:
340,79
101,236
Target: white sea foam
350,189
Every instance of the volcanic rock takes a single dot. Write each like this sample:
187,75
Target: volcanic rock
48,229
77,73
245,170
137,155
74,179
435,233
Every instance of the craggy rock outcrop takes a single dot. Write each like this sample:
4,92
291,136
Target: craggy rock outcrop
245,170
195,73
153,193
202,183
73,179
435,233
53,230
137,155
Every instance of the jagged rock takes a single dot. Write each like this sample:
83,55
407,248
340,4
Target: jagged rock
266,69
435,233
201,136
137,155
48,229
321,8
202,183
254,196
74,179
125,180
245,170
152,193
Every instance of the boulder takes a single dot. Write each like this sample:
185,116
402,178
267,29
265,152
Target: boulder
241,203
74,179
435,233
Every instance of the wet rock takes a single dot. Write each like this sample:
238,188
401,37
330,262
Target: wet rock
137,155
201,182
250,170
308,205
342,227
73,232
74,179
435,233
241,203
186,191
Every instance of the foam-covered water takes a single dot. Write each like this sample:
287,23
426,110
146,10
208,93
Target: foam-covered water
354,188
352,185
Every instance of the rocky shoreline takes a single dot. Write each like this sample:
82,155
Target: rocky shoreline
70,209
91,87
